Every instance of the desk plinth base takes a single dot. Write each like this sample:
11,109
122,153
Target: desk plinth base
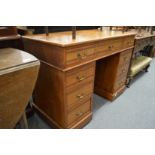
108,95
55,125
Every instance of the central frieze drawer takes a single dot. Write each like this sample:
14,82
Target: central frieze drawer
108,47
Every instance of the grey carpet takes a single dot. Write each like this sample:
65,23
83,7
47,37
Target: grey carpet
134,109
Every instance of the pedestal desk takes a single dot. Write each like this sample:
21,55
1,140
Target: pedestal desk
71,70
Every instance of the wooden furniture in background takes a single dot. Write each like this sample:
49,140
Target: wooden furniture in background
7,31
144,45
63,93
146,40
10,38
23,30
18,74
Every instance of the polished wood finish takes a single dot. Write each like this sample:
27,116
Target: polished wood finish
79,74
10,38
79,112
8,31
51,101
65,85
78,93
64,39
18,74
57,101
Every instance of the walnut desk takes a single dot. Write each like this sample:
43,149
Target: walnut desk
71,70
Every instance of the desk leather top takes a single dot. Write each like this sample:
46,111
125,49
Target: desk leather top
12,58
82,36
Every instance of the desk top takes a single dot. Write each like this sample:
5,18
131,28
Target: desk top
82,36
11,58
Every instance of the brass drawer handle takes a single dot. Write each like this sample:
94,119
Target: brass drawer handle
80,78
79,114
81,56
80,96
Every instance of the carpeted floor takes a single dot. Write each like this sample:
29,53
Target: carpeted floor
134,109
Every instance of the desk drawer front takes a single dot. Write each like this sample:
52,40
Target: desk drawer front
123,67
128,42
123,71
116,45
125,57
78,94
108,47
79,112
80,74
120,83
79,55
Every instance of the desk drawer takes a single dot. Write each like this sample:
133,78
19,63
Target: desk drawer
108,47
79,112
119,83
79,55
80,74
123,71
125,57
116,45
76,95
